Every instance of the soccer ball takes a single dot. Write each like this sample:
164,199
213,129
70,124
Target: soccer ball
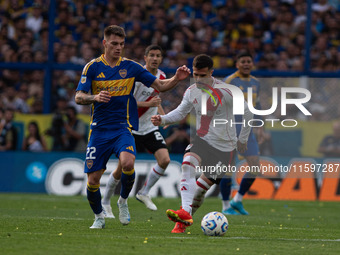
214,224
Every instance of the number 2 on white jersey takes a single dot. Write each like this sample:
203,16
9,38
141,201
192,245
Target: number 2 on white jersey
159,137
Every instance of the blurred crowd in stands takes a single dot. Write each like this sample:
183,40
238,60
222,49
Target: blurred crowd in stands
273,30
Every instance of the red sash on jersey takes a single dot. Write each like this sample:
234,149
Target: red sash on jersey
142,110
206,119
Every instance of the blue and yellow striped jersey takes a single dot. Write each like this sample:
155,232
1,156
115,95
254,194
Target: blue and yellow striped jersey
245,83
121,110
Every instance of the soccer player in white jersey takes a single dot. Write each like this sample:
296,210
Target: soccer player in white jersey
147,137
213,145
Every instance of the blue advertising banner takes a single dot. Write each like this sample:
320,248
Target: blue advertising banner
61,173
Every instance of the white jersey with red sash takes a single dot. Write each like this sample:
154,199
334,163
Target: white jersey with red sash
144,94
223,136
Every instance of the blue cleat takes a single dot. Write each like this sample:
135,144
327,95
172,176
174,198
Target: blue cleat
238,206
230,211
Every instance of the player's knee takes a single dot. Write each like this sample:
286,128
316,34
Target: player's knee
127,165
93,180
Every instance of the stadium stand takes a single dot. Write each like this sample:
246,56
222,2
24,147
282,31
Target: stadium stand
275,31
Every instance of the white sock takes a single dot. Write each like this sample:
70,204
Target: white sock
100,215
238,197
201,188
225,205
109,190
153,176
122,200
188,182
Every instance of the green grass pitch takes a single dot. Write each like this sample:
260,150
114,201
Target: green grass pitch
43,224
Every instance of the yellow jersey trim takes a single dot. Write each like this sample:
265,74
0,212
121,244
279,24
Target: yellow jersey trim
104,60
86,68
127,114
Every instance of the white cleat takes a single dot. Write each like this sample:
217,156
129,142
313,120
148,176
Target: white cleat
147,201
107,210
124,215
98,223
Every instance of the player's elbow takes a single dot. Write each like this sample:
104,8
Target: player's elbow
77,98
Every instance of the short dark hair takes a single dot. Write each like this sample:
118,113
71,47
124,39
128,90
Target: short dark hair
202,61
114,30
244,53
153,47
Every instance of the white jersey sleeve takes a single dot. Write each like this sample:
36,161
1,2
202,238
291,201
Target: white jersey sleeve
180,112
245,130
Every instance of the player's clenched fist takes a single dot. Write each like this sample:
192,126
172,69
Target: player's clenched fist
156,120
103,97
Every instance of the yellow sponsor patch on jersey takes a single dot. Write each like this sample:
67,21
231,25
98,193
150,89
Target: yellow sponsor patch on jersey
114,87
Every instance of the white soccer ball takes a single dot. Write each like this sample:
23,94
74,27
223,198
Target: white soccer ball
214,224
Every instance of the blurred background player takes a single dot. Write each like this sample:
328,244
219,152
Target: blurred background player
330,145
8,132
178,137
242,79
148,137
212,145
74,136
111,79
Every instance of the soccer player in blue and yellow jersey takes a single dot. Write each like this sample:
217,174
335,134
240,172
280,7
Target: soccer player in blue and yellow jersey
111,79
243,79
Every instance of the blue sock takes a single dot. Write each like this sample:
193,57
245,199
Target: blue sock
94,198
127,181
246,183
225,187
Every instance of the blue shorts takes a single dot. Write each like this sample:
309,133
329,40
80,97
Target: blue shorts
252,145
102,144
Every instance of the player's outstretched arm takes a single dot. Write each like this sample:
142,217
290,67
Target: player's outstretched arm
83,98
154,102
164,85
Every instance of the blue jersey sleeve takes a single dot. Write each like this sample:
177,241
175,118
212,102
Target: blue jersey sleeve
144,76
87,77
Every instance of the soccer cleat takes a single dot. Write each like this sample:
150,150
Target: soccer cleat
180,216
230,211
124,215
147,201
179,228
98,223
238,206
107,210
